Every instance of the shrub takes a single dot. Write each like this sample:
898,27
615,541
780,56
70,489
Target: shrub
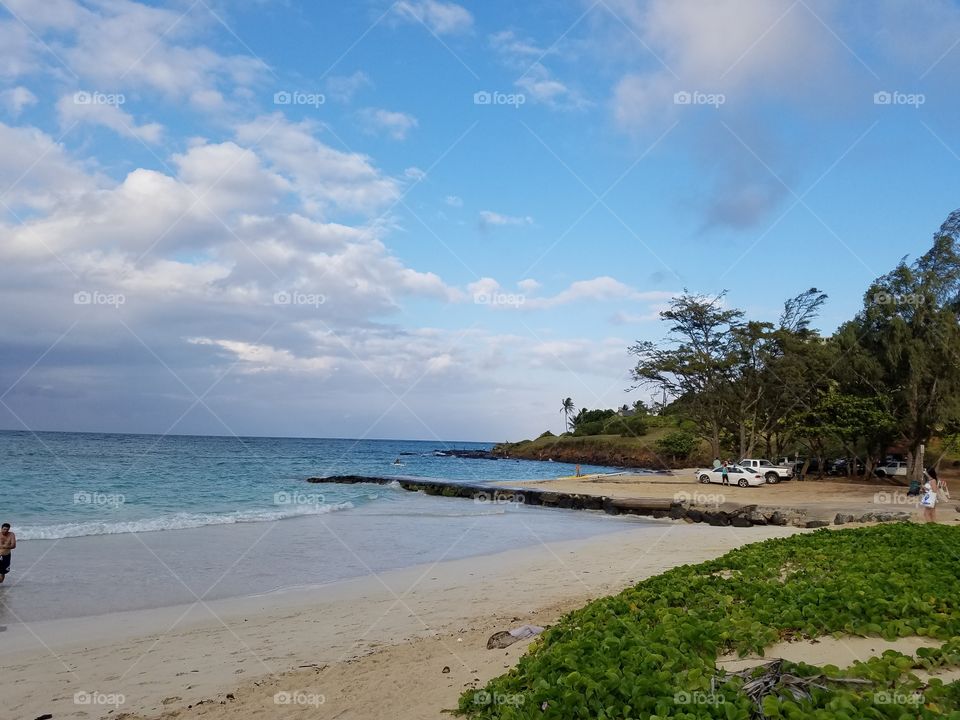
546,434
677,444
594,427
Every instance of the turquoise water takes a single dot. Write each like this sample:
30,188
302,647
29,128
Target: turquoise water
58,485
239,519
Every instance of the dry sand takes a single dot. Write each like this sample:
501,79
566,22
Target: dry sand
374,647
821,499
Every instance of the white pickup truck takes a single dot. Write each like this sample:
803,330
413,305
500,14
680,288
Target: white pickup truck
771,473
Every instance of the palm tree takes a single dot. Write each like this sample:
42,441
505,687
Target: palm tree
568,408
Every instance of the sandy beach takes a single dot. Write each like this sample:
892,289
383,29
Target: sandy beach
373,647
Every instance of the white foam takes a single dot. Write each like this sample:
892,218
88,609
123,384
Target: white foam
177,521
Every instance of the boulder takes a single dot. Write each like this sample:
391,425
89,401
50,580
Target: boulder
842,519
816,523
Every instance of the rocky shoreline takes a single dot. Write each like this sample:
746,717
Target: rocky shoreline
723,515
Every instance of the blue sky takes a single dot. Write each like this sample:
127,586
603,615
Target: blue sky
294,218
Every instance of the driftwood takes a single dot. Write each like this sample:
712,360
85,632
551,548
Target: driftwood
772,680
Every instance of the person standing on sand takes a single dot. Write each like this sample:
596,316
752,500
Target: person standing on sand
928,501
725,474
8,541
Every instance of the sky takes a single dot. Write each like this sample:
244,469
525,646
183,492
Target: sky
431,220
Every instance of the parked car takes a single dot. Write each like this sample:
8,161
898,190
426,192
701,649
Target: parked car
839,467
740,476
813,469
771,473
892,469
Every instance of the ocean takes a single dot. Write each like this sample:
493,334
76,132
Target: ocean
112,522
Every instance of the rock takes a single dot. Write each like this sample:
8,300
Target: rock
446,669
758,518
740,521
677,512
695,515
778,518
842,519
816,523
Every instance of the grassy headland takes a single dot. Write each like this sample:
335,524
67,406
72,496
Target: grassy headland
639,447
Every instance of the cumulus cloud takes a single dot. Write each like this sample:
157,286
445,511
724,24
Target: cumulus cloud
16,99
443,18
394,124
525,56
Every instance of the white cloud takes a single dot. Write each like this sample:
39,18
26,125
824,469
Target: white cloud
453,201
537,81
395,124
343,87
110,116
489,218
16,99
529,285
443,18
325,178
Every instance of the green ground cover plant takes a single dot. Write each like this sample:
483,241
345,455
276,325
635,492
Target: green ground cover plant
651,651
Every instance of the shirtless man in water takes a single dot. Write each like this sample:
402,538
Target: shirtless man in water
8,541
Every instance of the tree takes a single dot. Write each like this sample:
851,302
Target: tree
906,339
694,363
568,408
